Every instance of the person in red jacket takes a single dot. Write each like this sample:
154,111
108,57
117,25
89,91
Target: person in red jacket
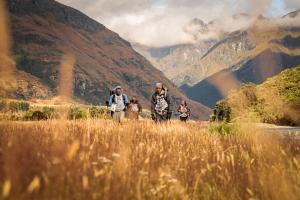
184,111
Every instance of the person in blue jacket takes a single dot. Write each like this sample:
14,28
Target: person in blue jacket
118,103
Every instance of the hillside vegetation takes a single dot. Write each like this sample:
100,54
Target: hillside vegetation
276,101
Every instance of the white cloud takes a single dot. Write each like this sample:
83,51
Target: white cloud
292,4
162,22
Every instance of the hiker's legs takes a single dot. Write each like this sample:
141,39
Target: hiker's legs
169,115
122,116
161,118
133,115
119,116
183,119
136,115
116,116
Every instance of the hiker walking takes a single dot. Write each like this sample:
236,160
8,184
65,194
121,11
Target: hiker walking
184,111
134,109
160,104
118,103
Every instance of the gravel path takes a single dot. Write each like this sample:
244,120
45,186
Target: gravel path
284,130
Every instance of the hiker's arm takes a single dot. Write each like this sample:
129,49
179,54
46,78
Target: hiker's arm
110,100
189,111
178,109
152,104
153,114
168,99
126,100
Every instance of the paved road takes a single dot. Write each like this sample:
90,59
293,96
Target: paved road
283,130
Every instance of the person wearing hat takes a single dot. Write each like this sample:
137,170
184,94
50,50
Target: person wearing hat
160,104
118,103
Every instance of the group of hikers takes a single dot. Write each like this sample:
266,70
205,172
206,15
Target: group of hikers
161,107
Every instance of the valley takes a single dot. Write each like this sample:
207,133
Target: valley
207,70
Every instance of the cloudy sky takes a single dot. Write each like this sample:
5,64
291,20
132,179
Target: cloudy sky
162,22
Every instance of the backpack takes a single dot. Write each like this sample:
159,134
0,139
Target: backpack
183,109
114,104
114,99
134,107
161,103
165,94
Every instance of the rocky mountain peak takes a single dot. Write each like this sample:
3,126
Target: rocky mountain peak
196,26
293,14
197,21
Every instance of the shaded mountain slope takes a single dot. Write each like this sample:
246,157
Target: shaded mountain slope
256,70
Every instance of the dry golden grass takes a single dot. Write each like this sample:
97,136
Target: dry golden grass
7,79
98,159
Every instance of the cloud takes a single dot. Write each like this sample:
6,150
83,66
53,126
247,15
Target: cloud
259,6
218,27
292,4
164,22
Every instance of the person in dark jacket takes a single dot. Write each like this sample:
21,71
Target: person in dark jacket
184,111
160,104
134,109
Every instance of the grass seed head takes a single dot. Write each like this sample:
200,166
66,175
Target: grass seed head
34,185
6,188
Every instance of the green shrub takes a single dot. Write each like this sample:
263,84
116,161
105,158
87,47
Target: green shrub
37,114
221,112
13,106
98,112
288,84
249,92
15,117
222,128
16,106
146,114
78,113
48,112
3,105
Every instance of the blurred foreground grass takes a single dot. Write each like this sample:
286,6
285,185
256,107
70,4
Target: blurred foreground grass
98,159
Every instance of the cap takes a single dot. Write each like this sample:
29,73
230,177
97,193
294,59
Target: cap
118,87
159,85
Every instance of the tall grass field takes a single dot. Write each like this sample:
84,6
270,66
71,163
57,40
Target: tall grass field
99,159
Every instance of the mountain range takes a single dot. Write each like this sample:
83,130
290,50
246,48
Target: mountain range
43,31
221,60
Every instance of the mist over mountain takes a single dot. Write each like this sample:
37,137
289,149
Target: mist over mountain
161,23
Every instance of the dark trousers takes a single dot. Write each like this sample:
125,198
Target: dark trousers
183,119
161,118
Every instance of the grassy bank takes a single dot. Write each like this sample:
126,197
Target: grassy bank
276,101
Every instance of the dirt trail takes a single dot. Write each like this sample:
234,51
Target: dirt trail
283,130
